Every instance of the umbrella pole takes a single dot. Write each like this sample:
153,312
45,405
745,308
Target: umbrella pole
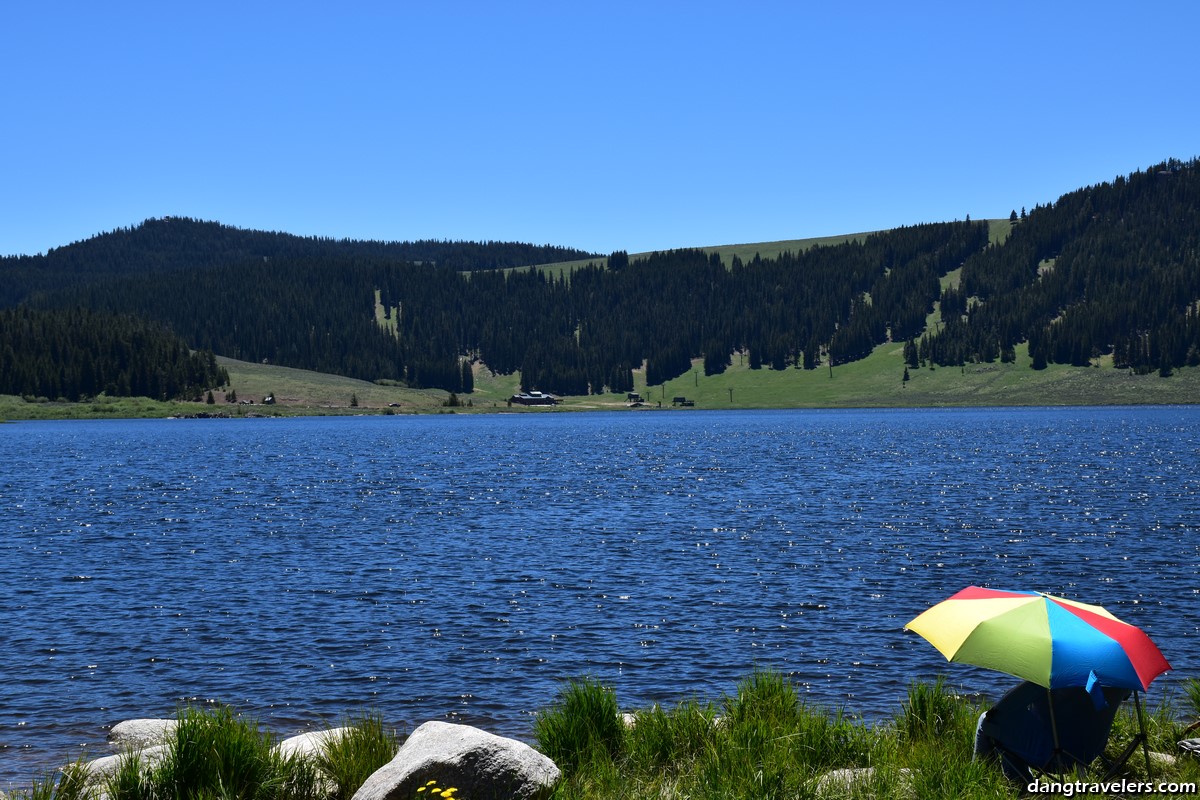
1142,729
1054,729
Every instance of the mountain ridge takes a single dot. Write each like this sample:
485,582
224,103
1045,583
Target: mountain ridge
1105,274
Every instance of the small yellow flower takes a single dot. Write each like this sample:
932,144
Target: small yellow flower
448,793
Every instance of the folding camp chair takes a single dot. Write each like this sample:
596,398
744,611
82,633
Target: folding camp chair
1034,730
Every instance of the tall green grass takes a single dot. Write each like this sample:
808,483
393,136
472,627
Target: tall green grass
216,754
1191,694
583,726
762,742
347,761
131,780
672,739
71,783
931,712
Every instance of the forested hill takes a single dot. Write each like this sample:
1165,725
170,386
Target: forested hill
1112,269
171,244
1108,270
571,336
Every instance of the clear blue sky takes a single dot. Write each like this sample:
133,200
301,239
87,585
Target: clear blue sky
602,126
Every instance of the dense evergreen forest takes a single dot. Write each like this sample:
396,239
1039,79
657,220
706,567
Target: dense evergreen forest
571,336
79,354
174,244
1112,269
1106,270
172,269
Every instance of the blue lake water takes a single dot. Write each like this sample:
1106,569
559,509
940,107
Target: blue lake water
461,567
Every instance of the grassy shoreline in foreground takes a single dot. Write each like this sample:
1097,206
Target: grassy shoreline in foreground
763,741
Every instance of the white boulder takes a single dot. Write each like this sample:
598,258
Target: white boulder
137,733
481,765
98,770
858,782
310,745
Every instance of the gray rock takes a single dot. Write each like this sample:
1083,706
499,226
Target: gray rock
135,733
847,782
481,765
147,738
309,745
99,769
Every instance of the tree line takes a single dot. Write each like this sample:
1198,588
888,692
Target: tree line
77,354
174,244
581,334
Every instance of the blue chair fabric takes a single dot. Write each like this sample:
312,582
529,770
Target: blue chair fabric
1018,731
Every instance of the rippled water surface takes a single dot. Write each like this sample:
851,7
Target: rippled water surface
460,567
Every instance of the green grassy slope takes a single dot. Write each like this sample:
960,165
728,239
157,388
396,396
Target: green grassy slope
877,381
318,391
745,252
296,392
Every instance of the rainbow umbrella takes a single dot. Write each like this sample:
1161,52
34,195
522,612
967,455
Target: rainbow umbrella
1050,641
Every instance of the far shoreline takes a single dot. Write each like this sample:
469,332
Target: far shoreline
881,380
143,408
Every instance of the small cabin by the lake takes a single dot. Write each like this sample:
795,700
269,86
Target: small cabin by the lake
534,398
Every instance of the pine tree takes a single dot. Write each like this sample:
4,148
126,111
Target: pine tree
468,378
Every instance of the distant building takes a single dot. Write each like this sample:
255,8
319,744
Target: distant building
534,398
